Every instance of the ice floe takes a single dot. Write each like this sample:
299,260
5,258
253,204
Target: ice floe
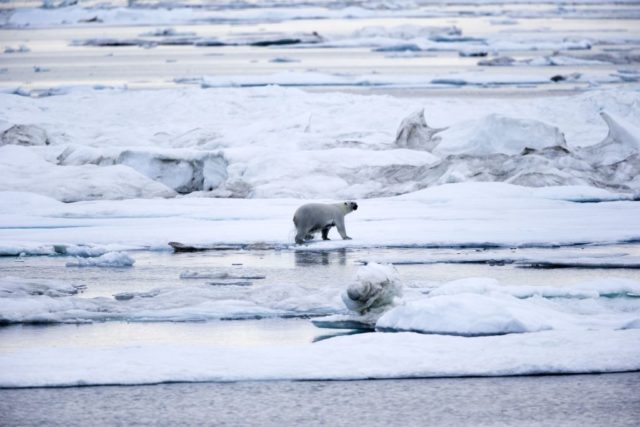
219,275
466,315
472,307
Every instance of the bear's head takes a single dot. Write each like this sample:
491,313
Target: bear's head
351,206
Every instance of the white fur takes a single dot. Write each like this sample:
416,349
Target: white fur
314,217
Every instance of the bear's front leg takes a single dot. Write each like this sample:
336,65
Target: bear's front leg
342,230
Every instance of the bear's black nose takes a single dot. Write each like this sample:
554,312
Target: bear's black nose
355,206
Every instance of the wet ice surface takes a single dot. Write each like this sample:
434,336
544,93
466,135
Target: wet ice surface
576,400
280,284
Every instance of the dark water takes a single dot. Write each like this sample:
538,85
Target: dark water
576,400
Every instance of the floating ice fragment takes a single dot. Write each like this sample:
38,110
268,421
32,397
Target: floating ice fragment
110,259
21,49
126,296
219,275
283,59
15,287
500,61
473,52
230,283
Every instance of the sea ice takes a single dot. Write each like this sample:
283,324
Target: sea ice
475,307
466,315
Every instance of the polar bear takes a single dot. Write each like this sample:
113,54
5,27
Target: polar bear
314,217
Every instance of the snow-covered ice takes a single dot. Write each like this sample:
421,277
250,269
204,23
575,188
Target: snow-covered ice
289,143
365,356
454,215
472,307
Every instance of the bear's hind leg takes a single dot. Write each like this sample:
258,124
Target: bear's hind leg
325,231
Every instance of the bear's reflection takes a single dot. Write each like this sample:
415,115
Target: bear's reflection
304,258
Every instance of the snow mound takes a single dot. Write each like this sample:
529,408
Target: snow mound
184,171
110,259
19,202
23,170
375,288
185,175
498,134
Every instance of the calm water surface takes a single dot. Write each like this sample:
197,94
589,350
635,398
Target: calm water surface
574,400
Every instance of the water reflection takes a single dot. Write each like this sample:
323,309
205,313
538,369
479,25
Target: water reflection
304,258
